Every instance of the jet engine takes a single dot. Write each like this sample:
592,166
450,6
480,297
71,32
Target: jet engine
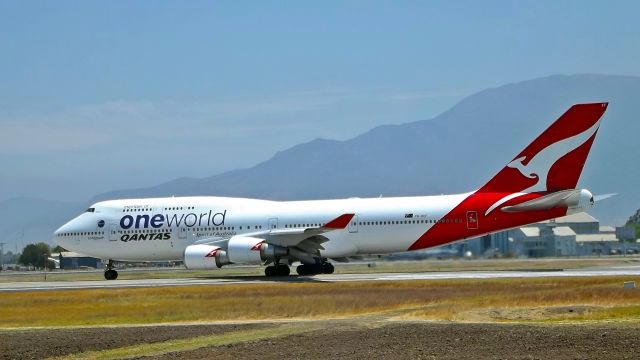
251,250
240,250
204,257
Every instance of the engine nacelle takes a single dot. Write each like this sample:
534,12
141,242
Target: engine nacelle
250,250
204,257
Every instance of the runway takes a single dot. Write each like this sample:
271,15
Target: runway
118,284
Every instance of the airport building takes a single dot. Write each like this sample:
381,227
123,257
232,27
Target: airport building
574,235
72,260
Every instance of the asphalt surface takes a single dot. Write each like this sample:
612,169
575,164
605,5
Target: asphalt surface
103,284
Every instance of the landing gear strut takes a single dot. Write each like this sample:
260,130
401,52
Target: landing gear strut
277,270
324,267
110,273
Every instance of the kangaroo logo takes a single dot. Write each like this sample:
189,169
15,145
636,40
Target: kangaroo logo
213,253
539,165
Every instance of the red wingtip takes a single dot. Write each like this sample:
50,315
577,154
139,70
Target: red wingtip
340,222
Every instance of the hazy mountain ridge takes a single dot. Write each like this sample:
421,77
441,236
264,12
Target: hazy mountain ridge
454,152
27,220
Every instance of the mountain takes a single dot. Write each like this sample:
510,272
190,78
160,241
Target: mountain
28,220
456,151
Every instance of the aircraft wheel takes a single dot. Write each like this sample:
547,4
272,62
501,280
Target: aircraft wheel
306,269
283,270
110,274
327,268
303,270
270,271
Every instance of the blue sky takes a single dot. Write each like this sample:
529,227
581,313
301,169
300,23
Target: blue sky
97,96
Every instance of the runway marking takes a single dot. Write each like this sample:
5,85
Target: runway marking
116,284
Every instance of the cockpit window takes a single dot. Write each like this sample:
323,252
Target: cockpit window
91,209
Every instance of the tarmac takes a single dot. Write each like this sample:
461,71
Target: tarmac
118,284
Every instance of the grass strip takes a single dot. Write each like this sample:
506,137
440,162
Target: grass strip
450,300
182,345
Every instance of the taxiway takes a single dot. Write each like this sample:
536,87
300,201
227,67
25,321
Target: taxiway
213,281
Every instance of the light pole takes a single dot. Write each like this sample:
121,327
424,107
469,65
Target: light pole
2,256
44,266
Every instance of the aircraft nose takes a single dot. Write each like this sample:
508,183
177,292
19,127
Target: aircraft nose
62,235
57,236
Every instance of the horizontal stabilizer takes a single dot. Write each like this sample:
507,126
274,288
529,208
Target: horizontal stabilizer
564,198
597,198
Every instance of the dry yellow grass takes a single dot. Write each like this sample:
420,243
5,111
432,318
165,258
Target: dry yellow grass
458,300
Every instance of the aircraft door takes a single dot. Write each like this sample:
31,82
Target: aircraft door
112,232
273,223
472,220
353,225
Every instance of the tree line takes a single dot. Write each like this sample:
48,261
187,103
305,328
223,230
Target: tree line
36,255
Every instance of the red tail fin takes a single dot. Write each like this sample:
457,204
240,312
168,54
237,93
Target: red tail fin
527,190
555,159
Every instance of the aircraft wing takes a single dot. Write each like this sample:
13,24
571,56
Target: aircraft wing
313,235
300,241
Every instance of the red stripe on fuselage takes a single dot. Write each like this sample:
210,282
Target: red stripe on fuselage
453,226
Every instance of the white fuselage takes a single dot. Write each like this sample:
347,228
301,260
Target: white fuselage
209,232
161,228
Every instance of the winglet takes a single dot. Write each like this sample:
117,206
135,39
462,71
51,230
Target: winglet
340,222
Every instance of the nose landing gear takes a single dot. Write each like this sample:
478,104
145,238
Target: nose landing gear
110,273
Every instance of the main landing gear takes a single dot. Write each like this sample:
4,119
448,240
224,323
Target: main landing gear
110,273
314,269
277,270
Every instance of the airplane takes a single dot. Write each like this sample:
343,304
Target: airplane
208,232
